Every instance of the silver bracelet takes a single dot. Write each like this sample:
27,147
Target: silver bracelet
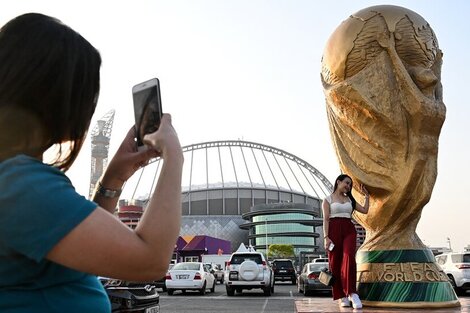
108,193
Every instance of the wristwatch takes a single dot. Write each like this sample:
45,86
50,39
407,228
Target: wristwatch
108,193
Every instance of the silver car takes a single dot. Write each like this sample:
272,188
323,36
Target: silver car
457,268
216,270
308,282
189,276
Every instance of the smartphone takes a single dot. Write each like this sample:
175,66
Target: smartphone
331,246
147,108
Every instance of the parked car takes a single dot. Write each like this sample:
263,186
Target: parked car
216,270
284,270
457,268
248,270
189,276
320,260
308,281
132,297
161,282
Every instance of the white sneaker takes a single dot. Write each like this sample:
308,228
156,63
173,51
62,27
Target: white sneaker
356,302
344,302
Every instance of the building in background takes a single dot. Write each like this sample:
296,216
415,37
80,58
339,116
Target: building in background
238,191
284,223
198,246
130,211
100,138
361,234
227,181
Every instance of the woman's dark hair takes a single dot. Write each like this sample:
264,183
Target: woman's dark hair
349,194
49,86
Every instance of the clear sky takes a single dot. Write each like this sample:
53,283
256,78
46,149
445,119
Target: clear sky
250,69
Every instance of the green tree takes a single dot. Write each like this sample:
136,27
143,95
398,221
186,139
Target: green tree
281,251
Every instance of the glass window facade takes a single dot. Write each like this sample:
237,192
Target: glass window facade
282,228
276,225
282,217
279,240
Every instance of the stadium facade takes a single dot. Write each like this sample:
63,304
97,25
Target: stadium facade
244,192
240,191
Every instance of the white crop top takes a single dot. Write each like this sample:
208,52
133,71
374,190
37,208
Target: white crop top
338,209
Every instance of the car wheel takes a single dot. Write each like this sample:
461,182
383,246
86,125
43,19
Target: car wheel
238,290
222,280
170,292
213,287
267,291
452,281
307,292
230,291
164,288
458,291
202,291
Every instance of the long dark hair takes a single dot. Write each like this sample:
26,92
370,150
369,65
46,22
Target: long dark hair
349,194
49,86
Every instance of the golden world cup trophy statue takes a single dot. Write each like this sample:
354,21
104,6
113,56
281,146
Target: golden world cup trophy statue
381,73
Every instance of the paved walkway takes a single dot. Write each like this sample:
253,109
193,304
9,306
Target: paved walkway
328,305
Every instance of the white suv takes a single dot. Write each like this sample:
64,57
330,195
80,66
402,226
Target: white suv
248,270
457,268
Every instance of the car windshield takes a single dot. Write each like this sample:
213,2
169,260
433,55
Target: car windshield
240,258
284,264
186,267
466,258
316,267
460,258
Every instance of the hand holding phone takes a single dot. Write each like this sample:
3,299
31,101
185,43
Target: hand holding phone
331,246
147,108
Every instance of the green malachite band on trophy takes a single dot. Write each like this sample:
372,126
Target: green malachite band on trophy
395,256
407,292
430,292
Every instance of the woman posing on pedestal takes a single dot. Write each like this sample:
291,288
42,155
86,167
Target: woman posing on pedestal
340,238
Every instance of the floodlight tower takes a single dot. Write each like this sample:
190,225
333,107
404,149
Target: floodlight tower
100,137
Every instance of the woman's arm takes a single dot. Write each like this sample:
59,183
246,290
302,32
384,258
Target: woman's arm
363,209
326,223
102,245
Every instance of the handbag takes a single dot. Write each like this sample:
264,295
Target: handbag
326,278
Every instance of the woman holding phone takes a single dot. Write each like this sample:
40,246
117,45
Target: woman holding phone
53,241
340,239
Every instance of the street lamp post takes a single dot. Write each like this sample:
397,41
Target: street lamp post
266,233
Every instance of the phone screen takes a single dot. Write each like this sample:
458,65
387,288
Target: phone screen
147,108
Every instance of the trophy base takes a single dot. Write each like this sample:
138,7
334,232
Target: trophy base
403,279
412,305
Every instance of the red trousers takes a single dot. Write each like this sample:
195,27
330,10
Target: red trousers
342,259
